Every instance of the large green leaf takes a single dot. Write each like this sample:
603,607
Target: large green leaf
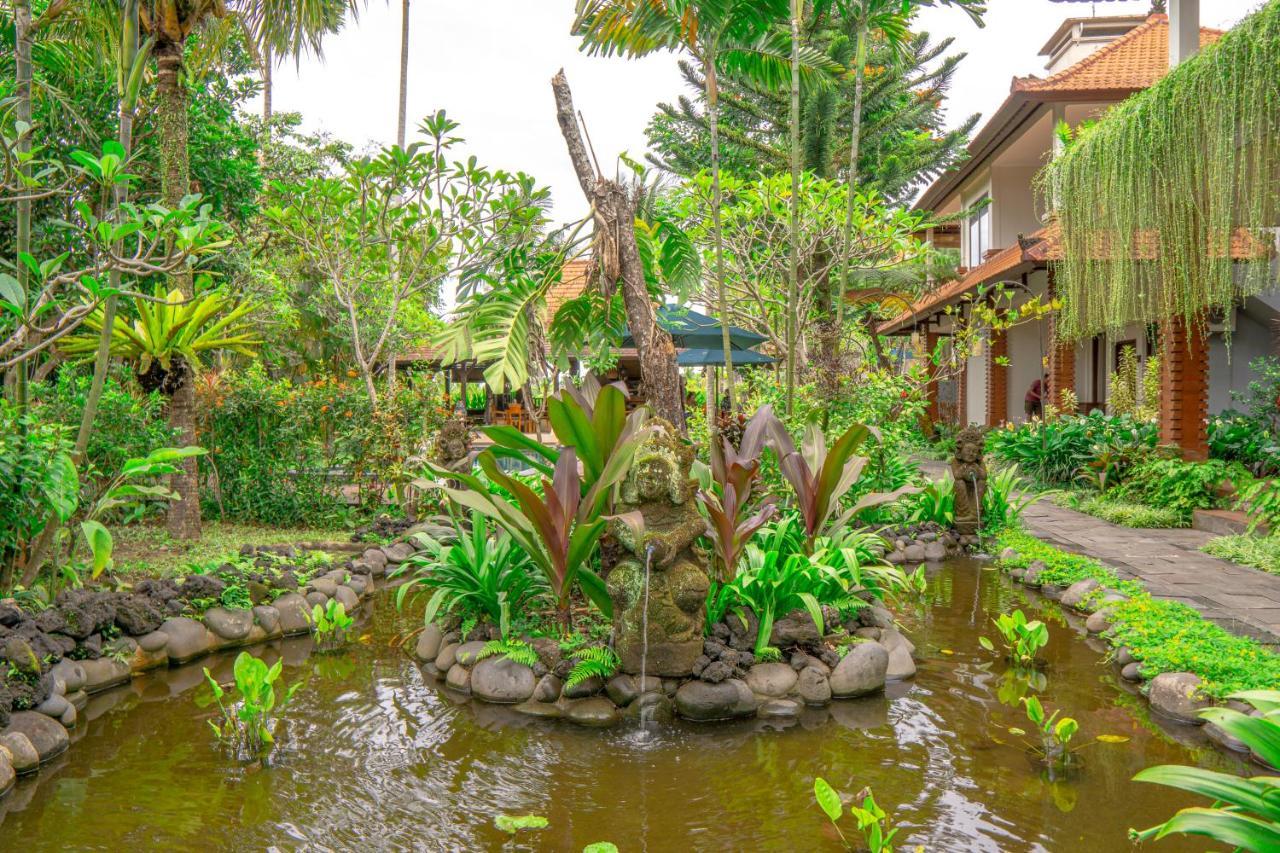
99,541
1219,787
1230,828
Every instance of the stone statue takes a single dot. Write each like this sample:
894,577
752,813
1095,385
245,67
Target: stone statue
970,474
453,444
659,488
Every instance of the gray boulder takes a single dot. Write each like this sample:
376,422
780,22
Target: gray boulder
447,657
1008,554
596,712
230,625
71,673
541,710
377,561
459,678
268,618
22,753
622,690
1132,671
188,639
813,686
548,689
585,688
1098,621
901,665
914,553
428,645
47,736
399,552
1075,594
935,552
779,709
7,773
295,613
467,652
862,671
103,673
326,586
347,598
1177,696
701,701
771,679
1031,577
502,680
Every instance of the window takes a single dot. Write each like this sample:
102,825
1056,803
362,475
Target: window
979,231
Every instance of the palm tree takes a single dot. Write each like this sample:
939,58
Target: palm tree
733,36
890,21
282,27
402,118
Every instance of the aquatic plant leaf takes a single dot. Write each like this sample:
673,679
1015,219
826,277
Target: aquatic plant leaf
514,823
828,799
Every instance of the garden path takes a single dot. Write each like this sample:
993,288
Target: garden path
1169,564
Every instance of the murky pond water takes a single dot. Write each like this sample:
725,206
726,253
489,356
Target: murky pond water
380,758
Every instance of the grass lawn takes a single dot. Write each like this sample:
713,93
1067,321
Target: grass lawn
148,550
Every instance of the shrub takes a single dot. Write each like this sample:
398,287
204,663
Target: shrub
1250,435
1055,452
1127,514
1178,486
1261,552
37,477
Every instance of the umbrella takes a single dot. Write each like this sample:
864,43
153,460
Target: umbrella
715,357
694,330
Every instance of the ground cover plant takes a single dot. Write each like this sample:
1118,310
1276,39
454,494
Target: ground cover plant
1167,636
1261,552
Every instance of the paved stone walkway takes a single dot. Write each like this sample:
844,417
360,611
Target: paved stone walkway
1243,600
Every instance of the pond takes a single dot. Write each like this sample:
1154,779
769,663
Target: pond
380,757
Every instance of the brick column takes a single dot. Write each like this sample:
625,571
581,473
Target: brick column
997,379
1062,367
931,390
962,393
1184,387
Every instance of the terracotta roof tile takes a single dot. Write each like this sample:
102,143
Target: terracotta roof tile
573,280
1132,62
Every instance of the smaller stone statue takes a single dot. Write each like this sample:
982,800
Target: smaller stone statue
668,639
452,449
970,474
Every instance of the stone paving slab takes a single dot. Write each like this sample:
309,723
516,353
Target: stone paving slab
1169,564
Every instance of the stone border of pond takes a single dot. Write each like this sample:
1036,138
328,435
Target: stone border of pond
728,682
1174,697
35,737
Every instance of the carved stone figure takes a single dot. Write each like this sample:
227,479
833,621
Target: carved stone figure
453,444
970,473
660,488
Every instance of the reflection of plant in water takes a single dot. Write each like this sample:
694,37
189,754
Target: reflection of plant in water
1016,682
333,667
872,822
1022,638
1054,735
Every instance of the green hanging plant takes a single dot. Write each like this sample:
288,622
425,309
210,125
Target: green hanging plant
1154,200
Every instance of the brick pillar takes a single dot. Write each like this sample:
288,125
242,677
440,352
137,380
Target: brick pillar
1184,387
1062,366
962,393
931,390
997,379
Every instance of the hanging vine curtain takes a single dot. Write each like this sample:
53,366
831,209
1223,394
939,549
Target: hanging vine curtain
1168,206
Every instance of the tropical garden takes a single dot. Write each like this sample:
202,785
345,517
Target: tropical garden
349,497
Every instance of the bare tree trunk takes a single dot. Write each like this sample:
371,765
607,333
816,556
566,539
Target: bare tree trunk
831,340
616,240
184,512
404,73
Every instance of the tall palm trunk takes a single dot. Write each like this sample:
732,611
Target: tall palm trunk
717,227
855,143
268,108
22,112
793,292
175,182
404,74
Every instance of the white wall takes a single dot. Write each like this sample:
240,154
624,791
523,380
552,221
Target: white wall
1012,204
975,395
1229,368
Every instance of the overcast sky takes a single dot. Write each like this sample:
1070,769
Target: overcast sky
489,64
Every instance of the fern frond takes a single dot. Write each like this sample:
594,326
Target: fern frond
593,661
513,650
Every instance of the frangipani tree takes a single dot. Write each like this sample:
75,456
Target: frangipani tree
396,226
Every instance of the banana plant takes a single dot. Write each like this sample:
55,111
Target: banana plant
1245,814
559,529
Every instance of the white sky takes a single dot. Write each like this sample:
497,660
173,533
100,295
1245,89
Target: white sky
489,64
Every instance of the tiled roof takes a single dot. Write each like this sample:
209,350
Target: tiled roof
1133,62
998,266
573,280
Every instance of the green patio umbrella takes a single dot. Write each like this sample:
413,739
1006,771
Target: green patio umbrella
691,329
